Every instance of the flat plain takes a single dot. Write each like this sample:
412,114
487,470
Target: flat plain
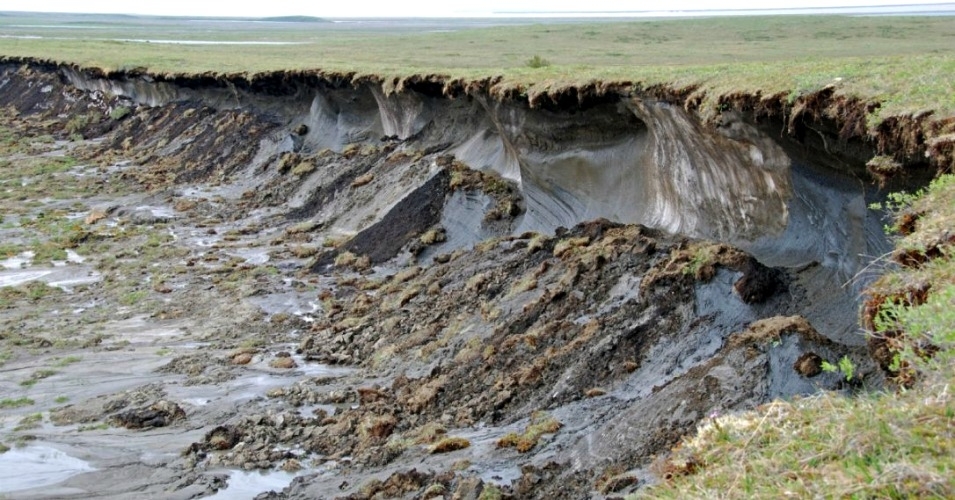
903,62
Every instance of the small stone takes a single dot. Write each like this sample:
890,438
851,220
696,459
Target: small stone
243,358
183,205
98,213
283,363
469,488
159,414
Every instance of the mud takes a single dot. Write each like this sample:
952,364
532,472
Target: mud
311,286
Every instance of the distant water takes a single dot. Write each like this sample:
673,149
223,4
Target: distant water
945,9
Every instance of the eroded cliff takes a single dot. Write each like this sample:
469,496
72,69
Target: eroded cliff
606,265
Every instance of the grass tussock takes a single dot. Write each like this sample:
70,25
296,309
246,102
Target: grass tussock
540,424
564,247
433,236
893,444
449,444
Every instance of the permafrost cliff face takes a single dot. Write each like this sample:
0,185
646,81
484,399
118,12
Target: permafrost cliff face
562,256
627,159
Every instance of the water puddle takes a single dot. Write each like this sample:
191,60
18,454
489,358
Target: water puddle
299,304
256,256
308,411
21,277
22,260
319,370
202,42
71,258
256,384
37,467
242,484
160,42
158,212
140,329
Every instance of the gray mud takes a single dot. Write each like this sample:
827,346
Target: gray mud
307,288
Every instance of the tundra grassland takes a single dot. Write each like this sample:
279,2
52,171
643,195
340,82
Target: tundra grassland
905,63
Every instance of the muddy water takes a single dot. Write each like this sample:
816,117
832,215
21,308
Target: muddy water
242,484
65,277
37,467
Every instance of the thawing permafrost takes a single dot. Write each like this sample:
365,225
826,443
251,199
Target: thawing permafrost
632,161
627,159
666,172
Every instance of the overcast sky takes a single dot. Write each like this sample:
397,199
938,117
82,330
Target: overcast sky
376,8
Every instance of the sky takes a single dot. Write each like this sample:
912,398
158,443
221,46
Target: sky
410,8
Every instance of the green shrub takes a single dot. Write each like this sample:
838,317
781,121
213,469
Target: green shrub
120,112
537,62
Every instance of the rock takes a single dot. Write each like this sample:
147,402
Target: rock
367,395
159,414
184,205
468,489
758,282
283,363
99,213
363,180
243,358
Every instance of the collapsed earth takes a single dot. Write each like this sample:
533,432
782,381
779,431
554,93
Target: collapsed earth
307,284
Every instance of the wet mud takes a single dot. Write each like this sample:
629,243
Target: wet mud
305,287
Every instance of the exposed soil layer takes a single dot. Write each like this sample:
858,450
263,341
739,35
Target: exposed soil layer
421,288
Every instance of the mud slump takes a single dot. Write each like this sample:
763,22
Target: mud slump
356,288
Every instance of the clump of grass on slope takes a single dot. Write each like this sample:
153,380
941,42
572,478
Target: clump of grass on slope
886,445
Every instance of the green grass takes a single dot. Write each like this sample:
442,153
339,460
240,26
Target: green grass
5,355
906,62
132,298
68,360
28,422
876,446
37,376
33,291
7,403
894,444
